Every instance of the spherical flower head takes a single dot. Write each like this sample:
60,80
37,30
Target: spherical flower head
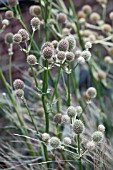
108,60
5,22
30,71
78,110
24,34
81,60
65,31
55,43
61,55
47,44
57,118
35,23
86,55
97,136
17,38
88,45
48,53
63,45
67,141
40,112
111,16
9,38
90,145
71,41
78,126
65,119
69,56
81,14
18,84
13,3
94,17
61,18
91,92
106,28
31,59
78,53
9,14
101,75
87,9
54,142
71,112
45,137
101,128
19,93
35,10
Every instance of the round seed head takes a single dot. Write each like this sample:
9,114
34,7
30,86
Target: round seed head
63,45
9,14
71,112
88,45
40,112
94,17
47,53
67,141
47,44
78,126
69,56
35,23
9,38
19,93
91,92
65,119
45,137
87,9
108,60
55,43
86,55
61,18
101,75
31,59
30,71
13,3
72,42
54,142
24,34
81,14
65,31
35,10
57,118
111,16
101,128
17,38
61,55
90,145
81,60
5,22
78,53
106,28
79,110
18,84
97,136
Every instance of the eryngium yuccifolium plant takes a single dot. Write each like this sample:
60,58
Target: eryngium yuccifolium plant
61,18
90,145
19,93
78,110
9,38
17,38
5,22
13,3
34,71
97,136
81,60
78,126
101,128
45,137
24,34
61,55
71,41
71,112
31,59
69,56
65,119
35,10
86,55
57,118
63,45
9,14
54,142
18,84
35,23
67,141
47,53
91,92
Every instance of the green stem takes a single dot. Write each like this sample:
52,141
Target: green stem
78,143
68,84
10,70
